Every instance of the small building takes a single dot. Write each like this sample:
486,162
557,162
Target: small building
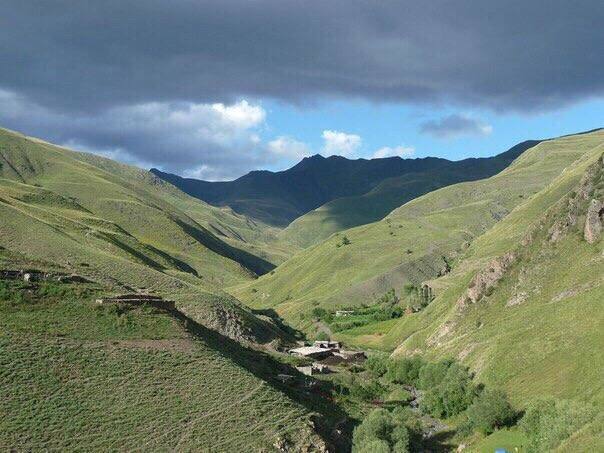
325,344
311,352
311,370
341,313
138,299
320,368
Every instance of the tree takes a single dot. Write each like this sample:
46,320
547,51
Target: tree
490,411
452,396
377,364
345,240
380,431
405,370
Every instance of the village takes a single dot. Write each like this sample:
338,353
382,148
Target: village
325,354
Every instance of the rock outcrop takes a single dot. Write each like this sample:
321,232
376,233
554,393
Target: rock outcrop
593,221
485,280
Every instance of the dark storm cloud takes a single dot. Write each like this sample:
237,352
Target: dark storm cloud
454,126
78,58
513,54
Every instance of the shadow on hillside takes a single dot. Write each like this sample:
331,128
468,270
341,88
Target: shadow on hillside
439,442
252,262
316,399
279,322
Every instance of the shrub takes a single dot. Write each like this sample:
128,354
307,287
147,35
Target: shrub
373,390
377,364
491,410
405,370
548,423
381,432
432,374
322,336
318,312
452,396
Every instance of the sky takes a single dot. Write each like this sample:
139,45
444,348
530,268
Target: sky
214,89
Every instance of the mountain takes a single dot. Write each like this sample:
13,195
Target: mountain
177,375
126,229
350,211
278,198
516,285
363,190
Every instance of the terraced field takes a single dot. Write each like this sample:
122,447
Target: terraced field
78,377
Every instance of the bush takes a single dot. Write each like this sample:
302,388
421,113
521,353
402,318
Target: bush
405,371
432,374
548,423
318,312
377,364
490,411
452,396
373,390
381,431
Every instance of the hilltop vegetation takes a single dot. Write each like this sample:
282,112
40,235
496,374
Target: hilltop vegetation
415,242
337,193
350,211
125,228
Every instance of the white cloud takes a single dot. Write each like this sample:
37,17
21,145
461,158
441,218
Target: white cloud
219,141
289,147
336,142
400,151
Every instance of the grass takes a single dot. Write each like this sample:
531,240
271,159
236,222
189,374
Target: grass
546,345
350,211
127,230
81,378
441,223
513,440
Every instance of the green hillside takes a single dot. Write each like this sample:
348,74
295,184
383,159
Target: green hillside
348,212
79,377
414,242
125,228
517,286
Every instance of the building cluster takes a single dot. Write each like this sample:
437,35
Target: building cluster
325,353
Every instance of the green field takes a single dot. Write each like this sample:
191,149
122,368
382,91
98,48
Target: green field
79,377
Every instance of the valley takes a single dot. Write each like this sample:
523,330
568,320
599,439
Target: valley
467,285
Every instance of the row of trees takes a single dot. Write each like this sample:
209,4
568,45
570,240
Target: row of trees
448,390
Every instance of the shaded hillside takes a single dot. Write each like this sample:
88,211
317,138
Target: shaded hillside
279,198
415,242
125,228
348,212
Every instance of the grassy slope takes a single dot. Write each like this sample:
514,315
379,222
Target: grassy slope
550,342
348,212
121,226
76,377
440,223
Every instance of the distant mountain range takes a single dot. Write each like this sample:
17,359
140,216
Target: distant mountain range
278,198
